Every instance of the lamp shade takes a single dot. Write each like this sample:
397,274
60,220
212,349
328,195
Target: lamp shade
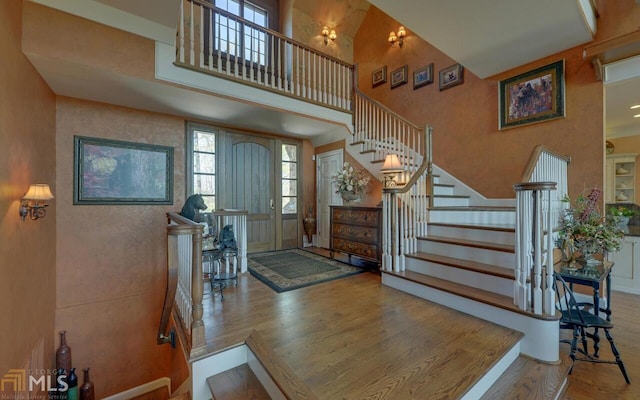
38,191
391,164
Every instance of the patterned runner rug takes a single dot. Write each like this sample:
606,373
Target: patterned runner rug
292,269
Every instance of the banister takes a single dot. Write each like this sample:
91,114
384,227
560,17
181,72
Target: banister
267,30
385,108
533,159
426,164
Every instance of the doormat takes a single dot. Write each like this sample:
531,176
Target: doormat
293,269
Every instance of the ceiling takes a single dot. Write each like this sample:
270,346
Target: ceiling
474,33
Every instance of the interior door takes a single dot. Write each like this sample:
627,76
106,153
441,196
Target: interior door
250,167
327,165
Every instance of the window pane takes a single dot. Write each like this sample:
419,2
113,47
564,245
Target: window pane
289,187
289,152
210,201
204,162
204,141
289,205
289,170
204,184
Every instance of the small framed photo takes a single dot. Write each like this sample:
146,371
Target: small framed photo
423,76
379,76
451,76
534,96
116,172
399,76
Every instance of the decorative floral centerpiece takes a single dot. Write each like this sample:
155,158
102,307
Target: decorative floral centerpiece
350,182
622,213
585,230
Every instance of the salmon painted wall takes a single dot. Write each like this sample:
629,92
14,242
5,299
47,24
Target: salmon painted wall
27,249
467,141
111,259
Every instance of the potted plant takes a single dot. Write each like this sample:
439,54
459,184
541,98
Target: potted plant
350,182
585,230
622,214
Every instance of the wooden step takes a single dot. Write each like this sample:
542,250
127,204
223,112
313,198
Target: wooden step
472,293
470,243
530,379
476,208
239,383
487,227
468,265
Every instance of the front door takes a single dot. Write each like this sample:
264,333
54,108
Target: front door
250,172
327,165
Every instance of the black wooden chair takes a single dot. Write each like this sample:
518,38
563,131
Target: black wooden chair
577,317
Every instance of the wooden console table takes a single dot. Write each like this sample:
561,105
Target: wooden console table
357,231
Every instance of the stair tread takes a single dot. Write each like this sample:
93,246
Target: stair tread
237,383
480,226
469,292
451,196
473,208
529,379
444,184
507,248
469,265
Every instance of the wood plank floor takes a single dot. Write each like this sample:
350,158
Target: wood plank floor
354,338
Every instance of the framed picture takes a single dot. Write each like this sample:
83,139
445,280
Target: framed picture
534,96
399,76
116,172
379,76
423,76
451,76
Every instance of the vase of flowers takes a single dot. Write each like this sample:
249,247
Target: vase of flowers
584,230
350,182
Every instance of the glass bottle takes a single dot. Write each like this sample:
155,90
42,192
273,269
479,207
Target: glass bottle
86,390
63,354
72,381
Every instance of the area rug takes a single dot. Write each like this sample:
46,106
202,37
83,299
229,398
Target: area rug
293,269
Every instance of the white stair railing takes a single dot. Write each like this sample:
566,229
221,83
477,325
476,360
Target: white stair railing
214,41
539,208
384,132
405,208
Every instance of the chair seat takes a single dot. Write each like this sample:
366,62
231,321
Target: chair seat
584,319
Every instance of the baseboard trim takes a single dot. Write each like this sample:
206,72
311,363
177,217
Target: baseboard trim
142,389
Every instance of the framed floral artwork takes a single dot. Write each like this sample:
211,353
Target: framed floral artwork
379,76
399,76
451,76
423,76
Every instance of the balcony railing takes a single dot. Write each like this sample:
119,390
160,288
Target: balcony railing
220,43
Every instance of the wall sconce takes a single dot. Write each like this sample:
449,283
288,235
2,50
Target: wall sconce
389,169
328,35
393,39
34,201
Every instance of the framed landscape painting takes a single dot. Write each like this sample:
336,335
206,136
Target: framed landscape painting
534,96
117,172
423,76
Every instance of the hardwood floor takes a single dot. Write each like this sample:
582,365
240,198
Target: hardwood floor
354,338
604,381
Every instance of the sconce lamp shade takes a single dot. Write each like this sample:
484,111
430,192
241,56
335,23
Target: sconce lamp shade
38,192
328,35
391,164
401,32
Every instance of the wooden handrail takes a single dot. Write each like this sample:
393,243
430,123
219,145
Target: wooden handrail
535,155
267,30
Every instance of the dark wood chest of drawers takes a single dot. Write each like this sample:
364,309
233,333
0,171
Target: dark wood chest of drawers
357,231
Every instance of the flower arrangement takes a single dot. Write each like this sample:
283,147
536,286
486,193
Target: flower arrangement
584,229
350,180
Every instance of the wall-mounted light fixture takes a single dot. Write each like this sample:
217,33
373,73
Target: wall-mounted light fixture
393,38
34,201
390,168
328,35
